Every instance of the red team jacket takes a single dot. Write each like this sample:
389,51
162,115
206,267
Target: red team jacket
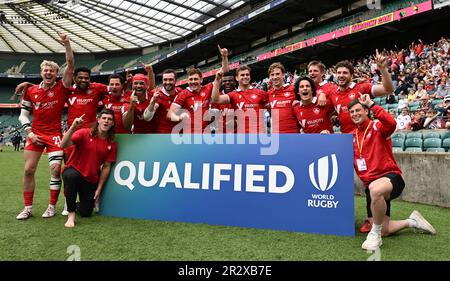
377,147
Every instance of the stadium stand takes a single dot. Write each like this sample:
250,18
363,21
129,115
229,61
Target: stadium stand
413,142
432,143
399,135
446,144
398,143
414,135
430,134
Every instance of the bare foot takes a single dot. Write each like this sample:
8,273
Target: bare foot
70,224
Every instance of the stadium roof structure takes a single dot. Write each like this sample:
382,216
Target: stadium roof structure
103,25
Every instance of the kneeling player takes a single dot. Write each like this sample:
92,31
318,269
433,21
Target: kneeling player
375,165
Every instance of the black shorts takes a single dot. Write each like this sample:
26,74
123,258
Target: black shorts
398,184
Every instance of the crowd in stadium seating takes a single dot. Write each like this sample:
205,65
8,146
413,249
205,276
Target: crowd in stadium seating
420,75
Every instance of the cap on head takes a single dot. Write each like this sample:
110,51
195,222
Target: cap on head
140,77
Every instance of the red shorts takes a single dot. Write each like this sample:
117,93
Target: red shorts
51,142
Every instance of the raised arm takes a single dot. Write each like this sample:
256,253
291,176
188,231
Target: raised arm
149,112
151,76
67,138
128,116
224,54
388,123
387,87
215,97
128,78
70,61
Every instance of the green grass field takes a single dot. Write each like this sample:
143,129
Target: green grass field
105,238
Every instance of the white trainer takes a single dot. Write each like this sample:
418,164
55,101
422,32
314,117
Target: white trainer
65,212
25,214
373,242
422,223
50,212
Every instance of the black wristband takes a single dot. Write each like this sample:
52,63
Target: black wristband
372,105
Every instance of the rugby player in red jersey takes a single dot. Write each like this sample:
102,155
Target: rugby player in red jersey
115,101
224,119
375,165
84,98
348,90
161,100
248,102
193,102
46,102
313,119
133,111
281,97
316,71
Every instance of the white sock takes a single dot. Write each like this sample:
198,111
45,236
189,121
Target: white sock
29,208
412,223
376,228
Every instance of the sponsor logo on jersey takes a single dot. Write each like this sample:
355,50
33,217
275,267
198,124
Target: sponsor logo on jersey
272,104
196,105
72,100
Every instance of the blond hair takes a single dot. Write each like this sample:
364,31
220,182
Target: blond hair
52,64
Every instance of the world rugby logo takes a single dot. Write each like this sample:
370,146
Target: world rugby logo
319,177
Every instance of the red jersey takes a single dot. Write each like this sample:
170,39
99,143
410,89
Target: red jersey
376,147
246,101
313,119
281,101
224,110
341,99
47,107
326,87
116,104
85,102
159,122
195,101
90,153
140,126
